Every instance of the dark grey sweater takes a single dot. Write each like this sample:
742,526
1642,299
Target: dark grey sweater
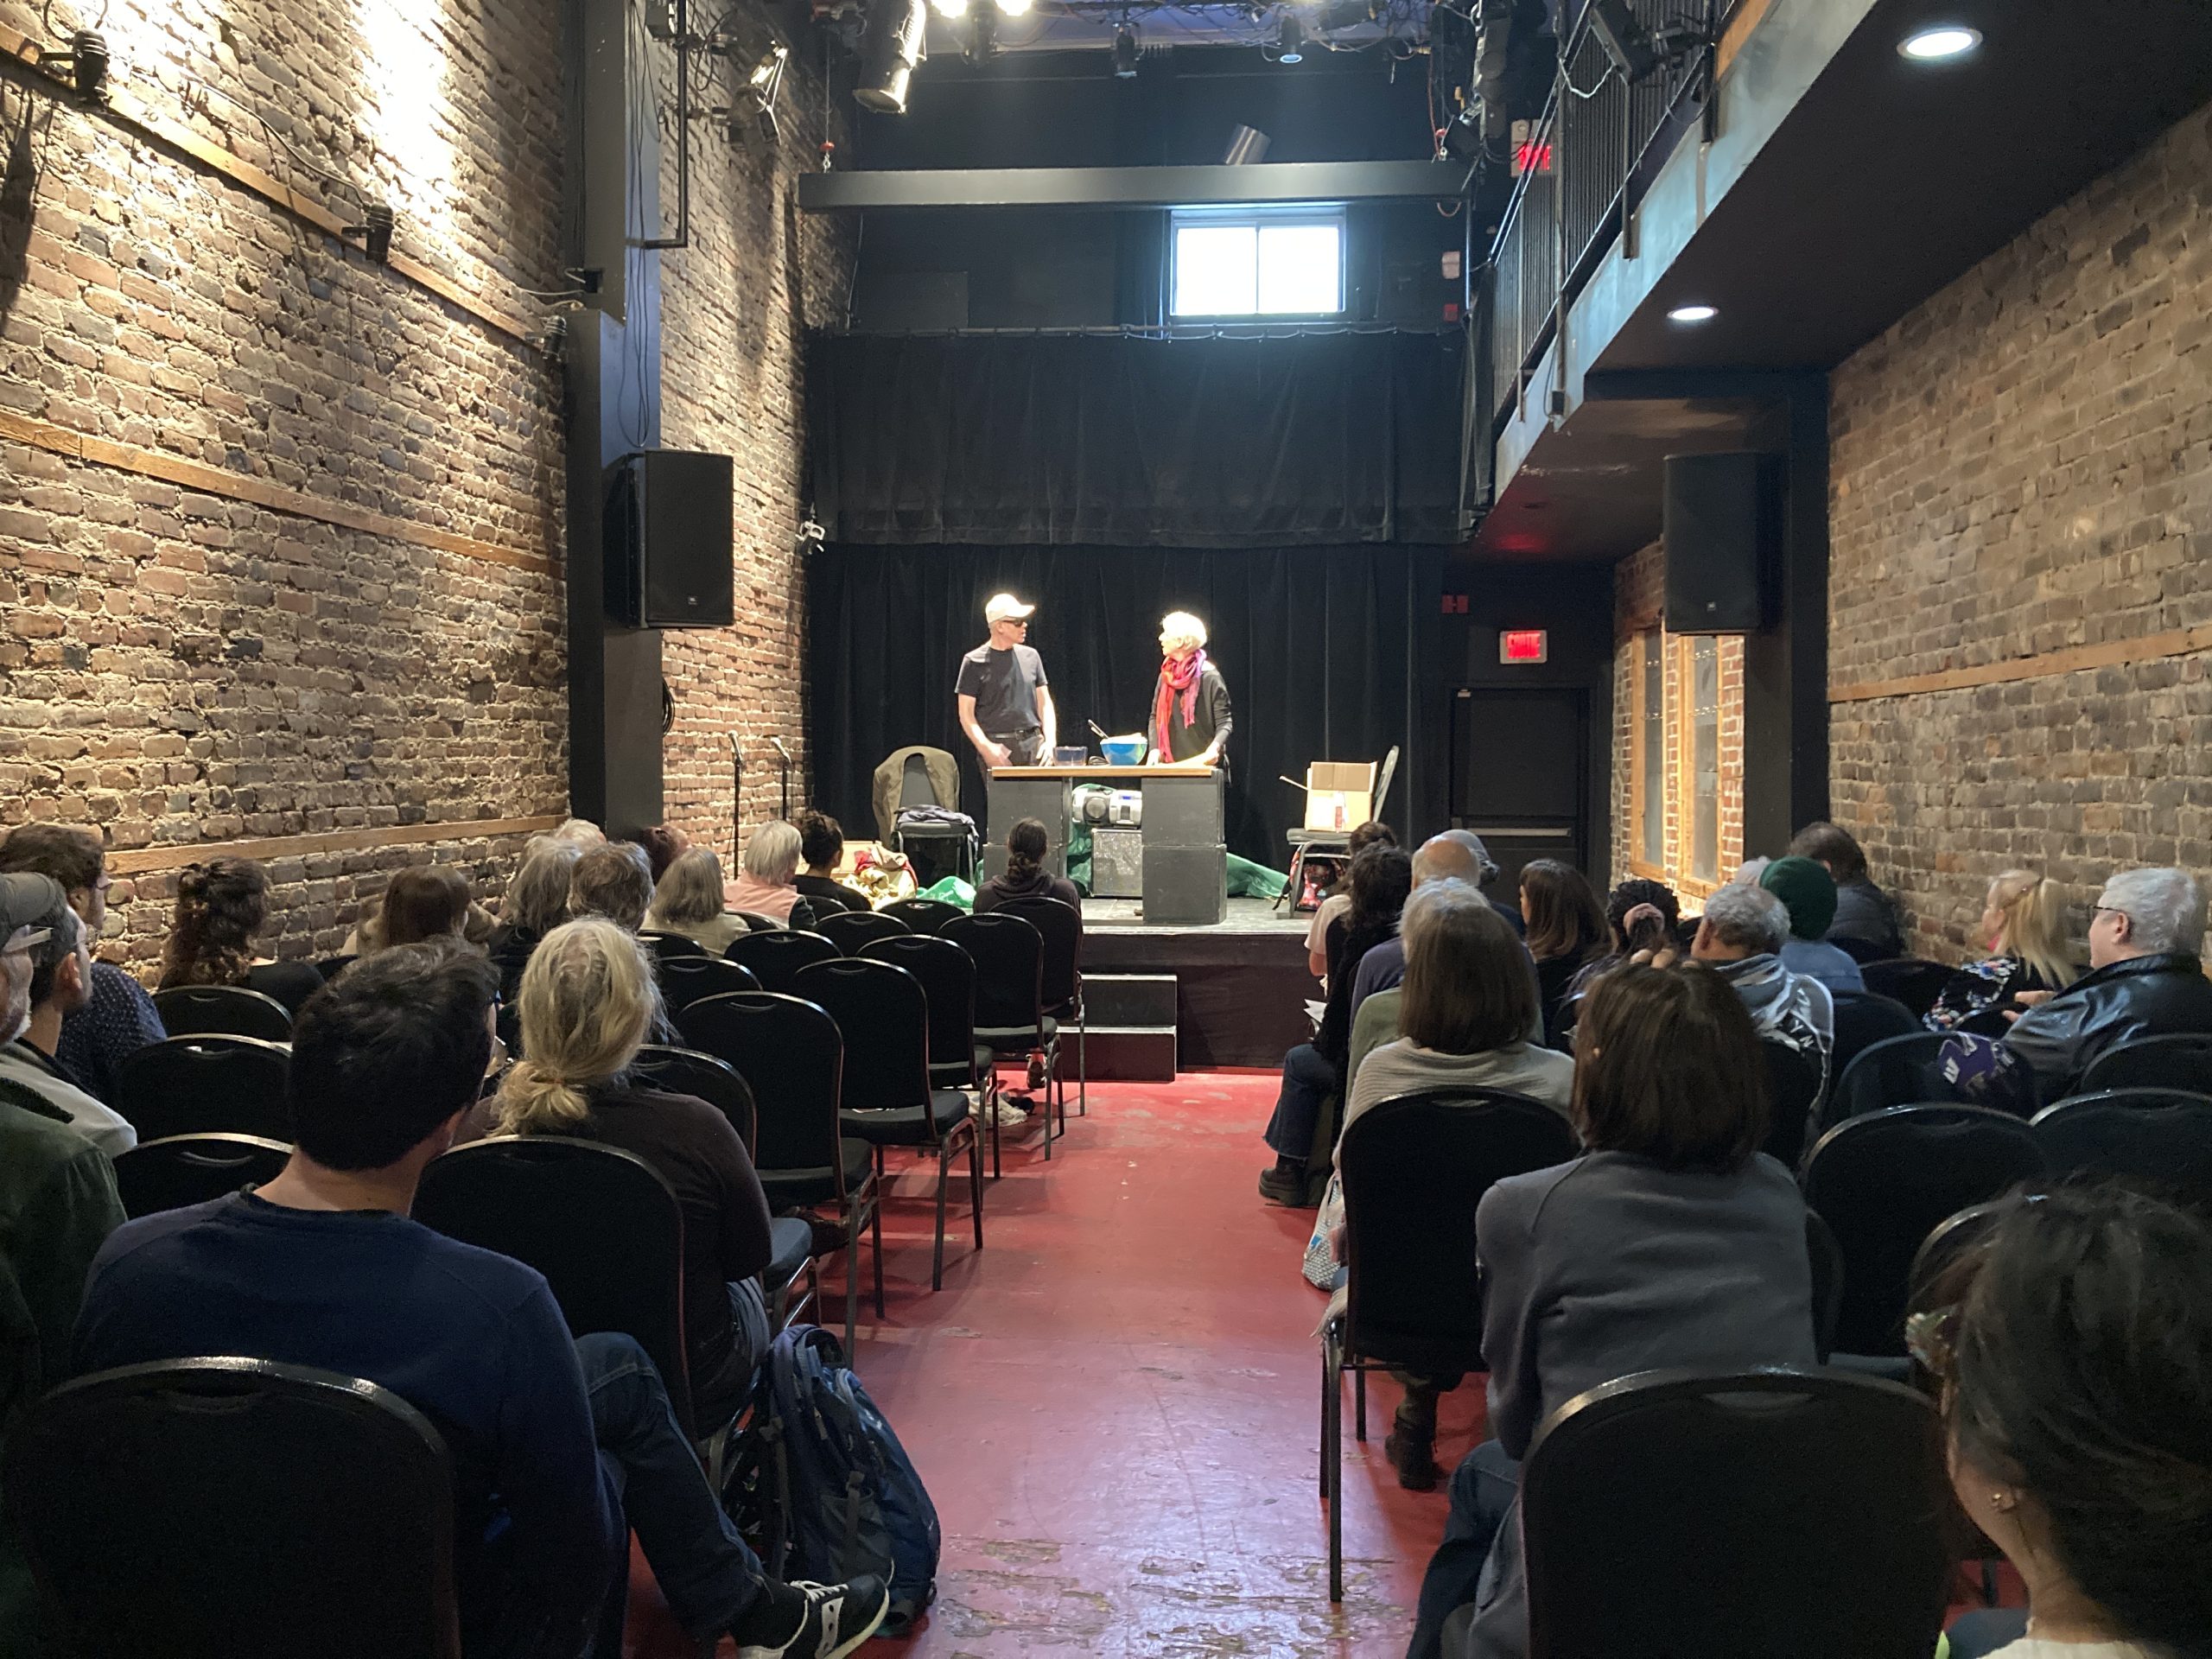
1614,1264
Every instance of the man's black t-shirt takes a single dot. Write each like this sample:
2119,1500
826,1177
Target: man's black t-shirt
1004,684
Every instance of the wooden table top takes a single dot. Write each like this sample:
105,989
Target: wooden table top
1096,775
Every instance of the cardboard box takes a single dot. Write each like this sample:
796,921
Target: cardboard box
1340,794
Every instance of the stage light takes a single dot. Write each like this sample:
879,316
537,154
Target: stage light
1940,44
1694,314
1292,48
1248,146
1125,53
889,51
1623,38
983,34
375,231
758,99
1014,8
1462,137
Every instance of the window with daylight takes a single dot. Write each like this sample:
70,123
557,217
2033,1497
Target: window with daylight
1705,758
1232,264
1649,770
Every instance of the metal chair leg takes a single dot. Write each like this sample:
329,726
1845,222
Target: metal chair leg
976,1183
991,1106
875,1223
1082,1061
937,1257
1360,1403
1048,1107
1321,1430
1336,1477
852,1276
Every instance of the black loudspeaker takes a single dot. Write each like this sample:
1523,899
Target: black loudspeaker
1721,535
668,541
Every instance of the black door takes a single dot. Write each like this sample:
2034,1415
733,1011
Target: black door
1520,771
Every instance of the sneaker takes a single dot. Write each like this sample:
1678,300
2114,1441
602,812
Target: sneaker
1279,1185
838,1618
1036,1072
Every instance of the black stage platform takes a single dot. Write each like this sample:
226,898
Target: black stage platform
1241,986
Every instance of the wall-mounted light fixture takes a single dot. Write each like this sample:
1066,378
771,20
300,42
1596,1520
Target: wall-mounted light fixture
375,230
87,60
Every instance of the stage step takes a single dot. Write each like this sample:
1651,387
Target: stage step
1142,1001
1129,1054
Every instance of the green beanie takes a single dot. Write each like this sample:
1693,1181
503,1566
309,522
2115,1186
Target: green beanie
1807,892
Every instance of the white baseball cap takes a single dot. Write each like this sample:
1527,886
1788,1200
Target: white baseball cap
1004,607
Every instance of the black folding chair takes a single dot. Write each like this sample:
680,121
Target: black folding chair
1908,980
922,915
1060,925
1862,951
1761,1512
685,980
223,1011
669,947
236,1508
1415,1169
789,1053
1895,1072
1010,1019
888,1098
851,930
1825,1257
2158,1139
774,955
183,1169
203,1085
2178,1060
689,1072
1864,1019
1883,1182
948,980
1793,1083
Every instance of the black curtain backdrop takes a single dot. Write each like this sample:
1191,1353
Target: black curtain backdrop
1317,645
1123,441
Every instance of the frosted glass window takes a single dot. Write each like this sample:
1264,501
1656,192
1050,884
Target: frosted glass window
1258,267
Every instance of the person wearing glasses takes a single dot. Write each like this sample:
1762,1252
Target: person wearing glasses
2145,980
1005,702
49,977
2071,1351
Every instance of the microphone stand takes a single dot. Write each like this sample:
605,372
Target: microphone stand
736,800
776,743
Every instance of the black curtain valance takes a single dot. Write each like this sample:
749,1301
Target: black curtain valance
1122,441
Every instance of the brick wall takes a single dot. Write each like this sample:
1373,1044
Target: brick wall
2022,495
280,529
1639,587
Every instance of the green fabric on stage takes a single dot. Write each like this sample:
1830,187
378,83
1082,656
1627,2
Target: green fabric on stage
1250,880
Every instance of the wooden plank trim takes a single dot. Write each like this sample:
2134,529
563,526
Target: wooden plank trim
142,860
1738,28
2110,653
257,491
129,112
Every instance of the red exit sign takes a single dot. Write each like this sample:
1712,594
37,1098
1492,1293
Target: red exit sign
1524,645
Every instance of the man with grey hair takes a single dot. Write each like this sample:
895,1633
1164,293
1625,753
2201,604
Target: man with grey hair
59,984
1452,855
2145,979
1741,936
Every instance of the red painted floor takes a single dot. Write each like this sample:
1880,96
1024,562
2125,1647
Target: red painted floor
1115,1406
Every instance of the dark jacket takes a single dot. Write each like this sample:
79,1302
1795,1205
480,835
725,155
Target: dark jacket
1209,716
1042,884
1864,912
1346,946
828,898
2143,996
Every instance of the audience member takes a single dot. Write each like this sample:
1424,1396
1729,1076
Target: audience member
552,1437
221,905
120,1017
1864,913
57,1205
580,833
764,886
536,903
2022,932
1567,932
1672,1242
1373,833
1467,1008
1740,937
1641,915
1313,1072
35,914
689,901
1454,855
423,903
1808,893
2145,980
614,879
2073,1351
664,843
587,1002
1026,875
821,847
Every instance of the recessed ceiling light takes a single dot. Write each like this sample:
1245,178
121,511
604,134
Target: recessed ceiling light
1694,314
1936,44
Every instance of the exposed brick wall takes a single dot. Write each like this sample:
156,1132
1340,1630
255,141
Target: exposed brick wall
1639,588
2024,464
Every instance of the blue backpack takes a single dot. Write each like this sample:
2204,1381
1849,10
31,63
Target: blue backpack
822,1486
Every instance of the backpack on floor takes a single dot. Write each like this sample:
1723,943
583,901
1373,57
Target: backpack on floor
822,1486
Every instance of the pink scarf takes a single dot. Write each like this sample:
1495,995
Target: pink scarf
1171,680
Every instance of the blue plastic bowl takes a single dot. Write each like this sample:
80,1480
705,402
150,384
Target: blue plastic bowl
1123,752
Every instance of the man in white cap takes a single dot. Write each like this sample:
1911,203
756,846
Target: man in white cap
1005,706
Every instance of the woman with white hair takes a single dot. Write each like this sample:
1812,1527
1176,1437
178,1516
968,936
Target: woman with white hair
763,886
1191,719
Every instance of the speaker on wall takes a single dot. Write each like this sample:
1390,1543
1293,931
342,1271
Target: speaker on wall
1721,539
668,541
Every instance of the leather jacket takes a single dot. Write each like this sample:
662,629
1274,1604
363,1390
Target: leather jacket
2143,996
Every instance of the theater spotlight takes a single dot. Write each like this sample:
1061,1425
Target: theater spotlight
1623,38
374,230
1125,53
757,100
1014,8
889,51
86,59
1292,47
982,32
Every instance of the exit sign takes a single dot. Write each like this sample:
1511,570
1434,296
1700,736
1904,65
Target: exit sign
1524,645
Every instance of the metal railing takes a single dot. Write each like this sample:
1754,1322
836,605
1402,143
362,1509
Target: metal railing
1586,163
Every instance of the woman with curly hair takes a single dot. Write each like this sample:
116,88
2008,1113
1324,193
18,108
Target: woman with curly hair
221,905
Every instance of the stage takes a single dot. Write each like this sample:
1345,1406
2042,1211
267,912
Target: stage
1239,987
